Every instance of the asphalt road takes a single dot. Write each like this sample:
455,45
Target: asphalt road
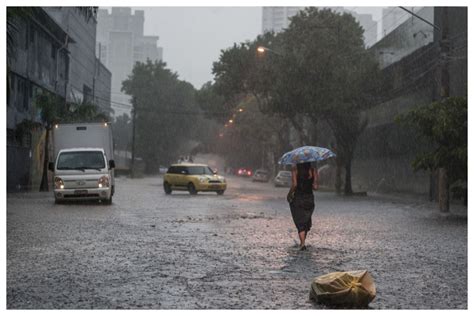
236,251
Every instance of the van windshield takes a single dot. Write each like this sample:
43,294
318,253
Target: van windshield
81,160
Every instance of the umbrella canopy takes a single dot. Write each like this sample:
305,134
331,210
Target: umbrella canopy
306,154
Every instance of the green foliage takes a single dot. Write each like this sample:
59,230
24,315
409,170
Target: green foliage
122,132
161,102
443,124
213,104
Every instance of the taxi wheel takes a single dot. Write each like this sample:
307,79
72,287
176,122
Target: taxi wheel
192,189
220,192
167,188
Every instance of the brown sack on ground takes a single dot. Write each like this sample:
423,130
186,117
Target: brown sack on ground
344,289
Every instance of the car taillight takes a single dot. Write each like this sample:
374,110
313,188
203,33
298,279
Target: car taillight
240,171
249,173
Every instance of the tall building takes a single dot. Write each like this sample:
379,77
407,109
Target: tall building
393,17
89,80
120,44
278,18
369,25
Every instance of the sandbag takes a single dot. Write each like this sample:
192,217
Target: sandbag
350,289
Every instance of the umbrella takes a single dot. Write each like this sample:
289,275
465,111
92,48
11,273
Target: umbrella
306,154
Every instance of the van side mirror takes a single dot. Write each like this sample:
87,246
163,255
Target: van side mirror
111,164
51,166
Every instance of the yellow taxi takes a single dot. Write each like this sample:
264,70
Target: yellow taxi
193,178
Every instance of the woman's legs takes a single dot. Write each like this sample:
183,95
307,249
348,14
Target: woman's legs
302,235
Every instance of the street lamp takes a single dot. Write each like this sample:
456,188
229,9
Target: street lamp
263,49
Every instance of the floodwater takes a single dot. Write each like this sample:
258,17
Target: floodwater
236,251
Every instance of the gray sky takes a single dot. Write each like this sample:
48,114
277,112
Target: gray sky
192,37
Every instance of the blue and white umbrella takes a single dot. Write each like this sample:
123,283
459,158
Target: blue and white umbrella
306,154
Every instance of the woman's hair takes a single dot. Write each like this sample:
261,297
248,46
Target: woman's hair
303,169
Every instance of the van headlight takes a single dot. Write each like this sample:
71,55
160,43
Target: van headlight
58,183
103,182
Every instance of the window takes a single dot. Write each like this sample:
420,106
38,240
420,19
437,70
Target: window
200,170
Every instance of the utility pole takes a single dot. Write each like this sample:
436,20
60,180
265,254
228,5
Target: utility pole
134,115
443,181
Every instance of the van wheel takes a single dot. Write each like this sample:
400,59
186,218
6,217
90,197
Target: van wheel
108,201
192,189
167,188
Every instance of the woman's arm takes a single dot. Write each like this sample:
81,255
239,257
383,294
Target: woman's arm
315,179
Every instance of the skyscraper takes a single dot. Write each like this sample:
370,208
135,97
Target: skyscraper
121,43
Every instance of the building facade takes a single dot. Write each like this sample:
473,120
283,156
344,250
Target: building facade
38,64
90,81
45,58
120,44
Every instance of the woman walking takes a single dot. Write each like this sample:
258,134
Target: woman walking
305,179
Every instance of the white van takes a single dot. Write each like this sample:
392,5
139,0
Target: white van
84,163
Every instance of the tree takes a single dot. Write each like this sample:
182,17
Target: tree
122,128
444,125
325,73
241,72
164,109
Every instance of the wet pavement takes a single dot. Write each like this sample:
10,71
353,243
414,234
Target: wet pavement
236,251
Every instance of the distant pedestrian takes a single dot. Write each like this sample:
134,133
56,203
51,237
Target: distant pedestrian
305,179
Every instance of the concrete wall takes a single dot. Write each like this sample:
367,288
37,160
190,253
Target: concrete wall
386,150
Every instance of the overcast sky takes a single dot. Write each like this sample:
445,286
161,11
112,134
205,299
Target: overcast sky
192,37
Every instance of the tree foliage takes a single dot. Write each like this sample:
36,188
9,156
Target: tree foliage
444,125
317,69
164,107
122,129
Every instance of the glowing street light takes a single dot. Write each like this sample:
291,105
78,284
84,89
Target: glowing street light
263,49
241,110
231,121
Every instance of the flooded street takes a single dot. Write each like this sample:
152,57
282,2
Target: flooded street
237,251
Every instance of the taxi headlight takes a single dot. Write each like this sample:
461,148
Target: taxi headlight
202,179
58,183
103,182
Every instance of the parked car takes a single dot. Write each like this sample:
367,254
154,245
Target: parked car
193,178
261,175
283,179
244,172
